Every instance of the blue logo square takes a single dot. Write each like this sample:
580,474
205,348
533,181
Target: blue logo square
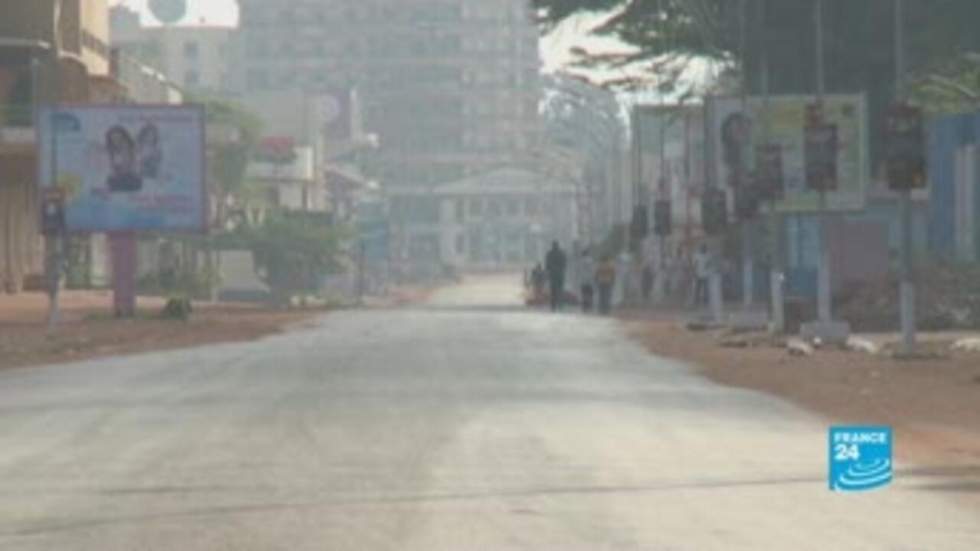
860,458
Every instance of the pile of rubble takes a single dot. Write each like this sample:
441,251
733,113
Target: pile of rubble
948,297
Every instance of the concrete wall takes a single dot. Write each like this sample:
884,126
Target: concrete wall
20,243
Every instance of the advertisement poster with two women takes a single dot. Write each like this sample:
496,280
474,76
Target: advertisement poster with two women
126,168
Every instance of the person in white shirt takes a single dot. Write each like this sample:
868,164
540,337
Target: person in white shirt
701,274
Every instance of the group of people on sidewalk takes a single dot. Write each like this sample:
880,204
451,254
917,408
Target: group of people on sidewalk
594,279
683,276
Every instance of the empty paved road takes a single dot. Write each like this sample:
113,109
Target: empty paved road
463,424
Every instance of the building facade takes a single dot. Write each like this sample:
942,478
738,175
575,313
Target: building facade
50,51
502,219
450,86
196,57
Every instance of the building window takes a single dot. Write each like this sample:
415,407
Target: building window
258,78
190,50
460,244
192,78
460,211
532,206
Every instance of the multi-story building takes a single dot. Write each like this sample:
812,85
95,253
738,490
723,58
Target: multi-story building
197,57
50,51
450,86
504,218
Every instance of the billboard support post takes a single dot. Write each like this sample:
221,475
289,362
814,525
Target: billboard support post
53,242
823,269
123,248
748,268
716,298
55,260
776,277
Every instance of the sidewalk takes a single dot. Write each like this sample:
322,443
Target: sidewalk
931,403
88,330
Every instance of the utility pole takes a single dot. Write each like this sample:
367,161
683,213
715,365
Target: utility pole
748,270
55,236
907,291
776,275
823,269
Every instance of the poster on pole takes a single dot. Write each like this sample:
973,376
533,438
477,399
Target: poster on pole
125,168
730,122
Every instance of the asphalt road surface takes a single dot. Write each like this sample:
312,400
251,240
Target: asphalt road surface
465,423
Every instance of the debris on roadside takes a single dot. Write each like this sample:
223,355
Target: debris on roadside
798,347
967,345
859,344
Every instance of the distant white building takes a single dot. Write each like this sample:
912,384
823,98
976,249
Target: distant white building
502,219
293,185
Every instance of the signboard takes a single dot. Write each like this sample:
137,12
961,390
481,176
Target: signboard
746,202
714,211
769,172
125,167
640,224
52,212
784,127
276,150
662,223
821,157
905,148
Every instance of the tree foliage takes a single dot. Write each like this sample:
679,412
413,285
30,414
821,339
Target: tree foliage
228,163
581,116
858,35
774,42
292,252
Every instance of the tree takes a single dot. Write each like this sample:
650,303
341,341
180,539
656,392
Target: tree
292,253
780,35
858,35
228,160
953,87
590,123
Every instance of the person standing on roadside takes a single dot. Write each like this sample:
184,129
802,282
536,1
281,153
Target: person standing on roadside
701,273
605,278
555,264
587,279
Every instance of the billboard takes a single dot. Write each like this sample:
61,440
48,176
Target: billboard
735,129
125,167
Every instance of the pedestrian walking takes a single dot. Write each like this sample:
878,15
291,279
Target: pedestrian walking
605,278
555,264
701,274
